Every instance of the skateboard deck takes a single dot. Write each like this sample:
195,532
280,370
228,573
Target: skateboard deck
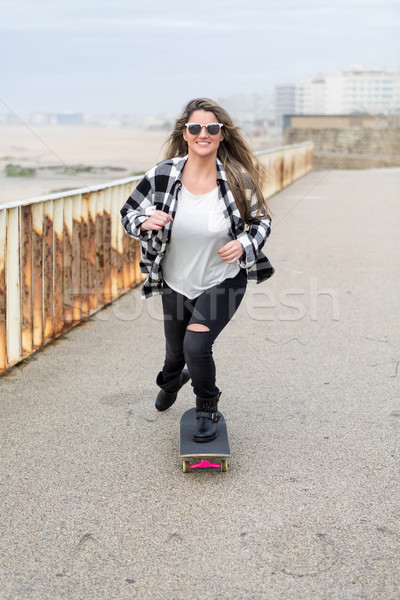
201,455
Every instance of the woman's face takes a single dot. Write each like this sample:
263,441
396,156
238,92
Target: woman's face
203,144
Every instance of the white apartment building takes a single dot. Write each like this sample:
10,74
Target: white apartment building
250,110
356,89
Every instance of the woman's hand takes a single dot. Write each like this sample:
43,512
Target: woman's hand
231,252
157,221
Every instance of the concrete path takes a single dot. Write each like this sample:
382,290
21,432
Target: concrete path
94,504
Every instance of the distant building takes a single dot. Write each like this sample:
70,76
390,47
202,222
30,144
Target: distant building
253,112
355,141
285,101
357,121
39,118
356,89
69,119
9,119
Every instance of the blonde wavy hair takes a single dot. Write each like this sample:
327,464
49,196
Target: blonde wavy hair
241,167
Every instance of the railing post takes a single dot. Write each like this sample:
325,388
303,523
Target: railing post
48,266
26,263
68,315
106,246
58,283
76,288
85,290
92,261
13,322
99,234
115,224
3,289
37,272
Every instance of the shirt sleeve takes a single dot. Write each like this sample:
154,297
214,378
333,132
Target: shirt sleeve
255,236
137,209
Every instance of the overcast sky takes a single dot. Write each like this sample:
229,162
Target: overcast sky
141,56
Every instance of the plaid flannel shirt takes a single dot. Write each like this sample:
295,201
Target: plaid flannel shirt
159,190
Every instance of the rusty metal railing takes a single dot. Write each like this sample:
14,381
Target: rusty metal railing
65,256
62,258
285,164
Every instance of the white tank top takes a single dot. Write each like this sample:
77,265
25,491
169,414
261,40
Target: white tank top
192,264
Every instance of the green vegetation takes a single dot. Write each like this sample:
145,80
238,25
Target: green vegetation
12,170
73,169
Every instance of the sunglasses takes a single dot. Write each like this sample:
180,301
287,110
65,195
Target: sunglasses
195,128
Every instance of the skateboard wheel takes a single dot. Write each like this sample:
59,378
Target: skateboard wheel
224,465
186,466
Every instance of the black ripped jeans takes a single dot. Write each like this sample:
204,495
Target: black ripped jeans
214,308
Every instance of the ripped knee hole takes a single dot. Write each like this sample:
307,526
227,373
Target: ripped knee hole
197,327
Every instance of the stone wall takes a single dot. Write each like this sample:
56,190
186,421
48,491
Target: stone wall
350,148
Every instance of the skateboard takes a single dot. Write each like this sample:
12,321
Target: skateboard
202,455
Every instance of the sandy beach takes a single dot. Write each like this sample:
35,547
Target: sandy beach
70,157
56,151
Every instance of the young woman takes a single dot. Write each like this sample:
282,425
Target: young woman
202,221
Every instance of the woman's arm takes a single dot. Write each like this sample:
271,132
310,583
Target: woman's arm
231,252
157,221
255,236
137,209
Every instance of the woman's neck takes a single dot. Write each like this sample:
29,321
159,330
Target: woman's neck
201,167
200,174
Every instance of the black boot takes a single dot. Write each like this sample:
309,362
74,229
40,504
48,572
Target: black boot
207,419
169,391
